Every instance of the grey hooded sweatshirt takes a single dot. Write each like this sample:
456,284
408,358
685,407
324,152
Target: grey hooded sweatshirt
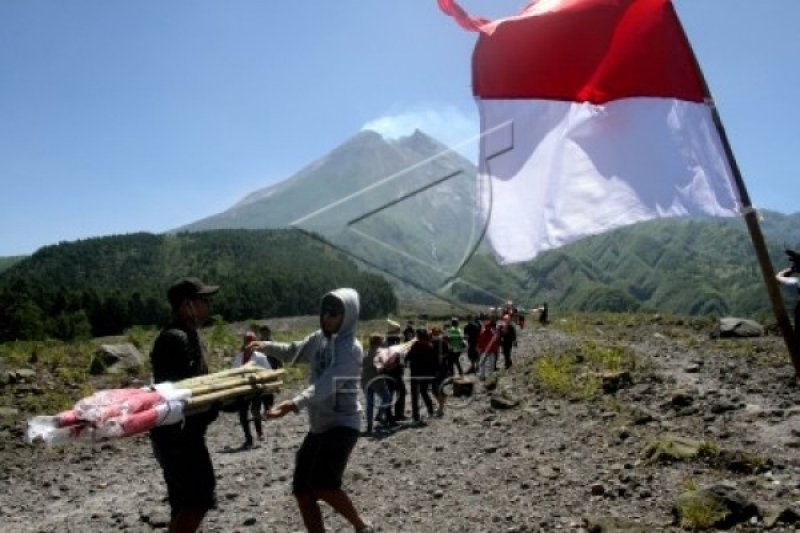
335,361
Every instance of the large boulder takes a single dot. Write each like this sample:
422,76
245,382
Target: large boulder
116,358
737,327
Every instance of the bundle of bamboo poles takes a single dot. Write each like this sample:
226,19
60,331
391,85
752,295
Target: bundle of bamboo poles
228,386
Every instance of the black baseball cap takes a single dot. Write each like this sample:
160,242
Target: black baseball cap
188,288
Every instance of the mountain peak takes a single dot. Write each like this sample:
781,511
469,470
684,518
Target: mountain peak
420,141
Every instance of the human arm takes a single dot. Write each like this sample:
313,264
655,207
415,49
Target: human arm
785,277
282,409
287,352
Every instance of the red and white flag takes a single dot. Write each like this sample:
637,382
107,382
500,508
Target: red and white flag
593,117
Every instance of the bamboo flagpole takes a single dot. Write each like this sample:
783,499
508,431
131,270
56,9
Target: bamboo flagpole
750,216
760,247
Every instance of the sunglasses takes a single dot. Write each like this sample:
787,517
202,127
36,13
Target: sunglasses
331,311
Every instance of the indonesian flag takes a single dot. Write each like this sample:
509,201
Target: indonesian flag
594,115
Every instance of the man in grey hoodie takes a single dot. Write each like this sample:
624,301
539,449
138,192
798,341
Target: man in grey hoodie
334,355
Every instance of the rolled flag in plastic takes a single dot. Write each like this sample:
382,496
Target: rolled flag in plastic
594,115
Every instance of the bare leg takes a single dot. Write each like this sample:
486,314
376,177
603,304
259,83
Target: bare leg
341,503
187,521
310,511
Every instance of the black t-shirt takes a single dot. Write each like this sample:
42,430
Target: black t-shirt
422,360
471,331
178,354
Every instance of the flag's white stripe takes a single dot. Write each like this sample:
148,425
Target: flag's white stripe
568,170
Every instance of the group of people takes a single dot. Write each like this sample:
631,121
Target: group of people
427,358
339,369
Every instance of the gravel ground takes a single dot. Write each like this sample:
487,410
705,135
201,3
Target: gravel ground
549,463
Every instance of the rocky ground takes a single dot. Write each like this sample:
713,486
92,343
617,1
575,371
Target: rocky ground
550,462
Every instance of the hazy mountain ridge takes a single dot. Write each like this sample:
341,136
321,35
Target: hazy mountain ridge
405,206
694,266
406,209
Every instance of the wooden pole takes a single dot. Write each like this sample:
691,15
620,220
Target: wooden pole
760,247
751,219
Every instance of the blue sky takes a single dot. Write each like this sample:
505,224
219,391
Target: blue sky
123,116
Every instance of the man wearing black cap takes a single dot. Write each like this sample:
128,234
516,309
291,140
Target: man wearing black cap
180,449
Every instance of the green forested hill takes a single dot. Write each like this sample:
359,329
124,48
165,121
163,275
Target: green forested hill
8,262
101,286
682,266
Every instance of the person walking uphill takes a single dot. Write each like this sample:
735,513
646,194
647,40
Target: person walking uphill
180,449
334,355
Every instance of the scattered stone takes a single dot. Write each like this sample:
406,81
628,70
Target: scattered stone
597,489
672,448
737,327
20,375
614,381
116,358
692,368
502,402
785,515
463,388
8,412
613,525
682,399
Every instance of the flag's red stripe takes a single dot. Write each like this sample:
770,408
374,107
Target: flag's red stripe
464,19
588,51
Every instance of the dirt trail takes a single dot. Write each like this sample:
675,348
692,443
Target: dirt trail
544,465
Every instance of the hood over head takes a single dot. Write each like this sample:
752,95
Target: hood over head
345,300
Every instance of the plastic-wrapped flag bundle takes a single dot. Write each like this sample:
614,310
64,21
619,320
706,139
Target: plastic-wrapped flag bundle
389,357
116,413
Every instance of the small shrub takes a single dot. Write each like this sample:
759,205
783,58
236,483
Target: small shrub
560,375
141,337
689,485
708,449
698,514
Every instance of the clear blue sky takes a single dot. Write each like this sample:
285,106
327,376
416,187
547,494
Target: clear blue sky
124,116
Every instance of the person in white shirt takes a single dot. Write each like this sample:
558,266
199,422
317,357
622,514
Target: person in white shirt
252,409
785,277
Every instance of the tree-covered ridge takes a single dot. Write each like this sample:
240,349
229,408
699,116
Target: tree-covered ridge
8,262
681,266
103,285
686,266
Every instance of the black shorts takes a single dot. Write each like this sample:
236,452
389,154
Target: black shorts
188,472
322,458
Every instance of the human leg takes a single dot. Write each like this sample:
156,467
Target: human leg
400,394
189,476
255,412
456,363
415,385
320,464
386,402
342,504
244,412
507,356
424,390
482,366
369,392
310,511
